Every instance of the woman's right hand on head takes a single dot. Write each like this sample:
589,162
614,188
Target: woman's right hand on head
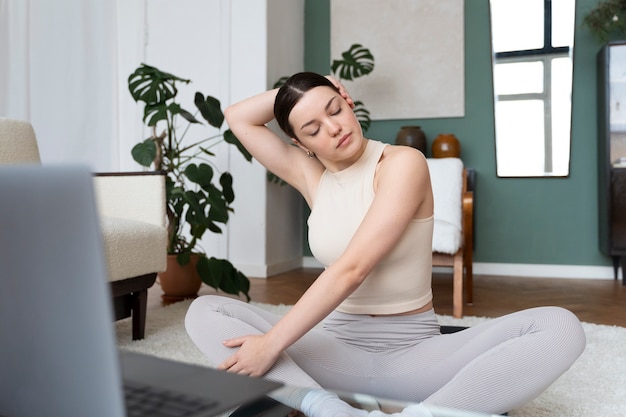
342,90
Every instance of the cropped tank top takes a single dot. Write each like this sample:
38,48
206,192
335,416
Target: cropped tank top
402,280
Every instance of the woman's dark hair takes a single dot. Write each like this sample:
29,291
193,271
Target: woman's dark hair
291,92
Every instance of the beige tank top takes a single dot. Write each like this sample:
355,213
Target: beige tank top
402,280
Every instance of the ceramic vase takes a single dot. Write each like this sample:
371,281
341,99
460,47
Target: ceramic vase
412,136
446,145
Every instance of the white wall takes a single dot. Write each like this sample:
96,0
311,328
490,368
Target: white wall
266,231
131,51
285,205
248,73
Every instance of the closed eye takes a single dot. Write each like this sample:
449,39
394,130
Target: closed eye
313,132
330,108
326,108
331,113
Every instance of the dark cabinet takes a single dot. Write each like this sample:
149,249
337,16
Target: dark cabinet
612,153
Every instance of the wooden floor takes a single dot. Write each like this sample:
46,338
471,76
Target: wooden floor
594,301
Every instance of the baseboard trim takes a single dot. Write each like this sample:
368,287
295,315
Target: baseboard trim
545,271
311,262
520,270
279,268
264,271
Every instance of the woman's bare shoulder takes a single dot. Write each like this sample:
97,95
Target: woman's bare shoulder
403,157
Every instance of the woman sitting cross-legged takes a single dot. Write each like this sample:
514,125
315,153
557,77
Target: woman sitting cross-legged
371,225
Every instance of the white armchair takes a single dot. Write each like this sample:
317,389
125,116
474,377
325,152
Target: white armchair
132,218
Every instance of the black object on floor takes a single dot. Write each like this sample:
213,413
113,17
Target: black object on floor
451,329
263,407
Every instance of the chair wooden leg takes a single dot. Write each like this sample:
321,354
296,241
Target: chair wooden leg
457,286
623,270
140,304
469,284
130,298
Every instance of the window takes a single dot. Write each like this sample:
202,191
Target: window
532,85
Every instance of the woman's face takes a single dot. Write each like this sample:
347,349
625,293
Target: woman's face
325,124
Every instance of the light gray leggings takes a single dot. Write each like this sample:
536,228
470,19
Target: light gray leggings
492,367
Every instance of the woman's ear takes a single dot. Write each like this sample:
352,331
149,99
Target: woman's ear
299,145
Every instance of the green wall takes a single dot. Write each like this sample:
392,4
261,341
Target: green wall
518,220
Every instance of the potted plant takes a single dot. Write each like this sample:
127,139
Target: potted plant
197,199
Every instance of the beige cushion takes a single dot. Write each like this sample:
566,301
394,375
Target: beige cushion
133,247
18,143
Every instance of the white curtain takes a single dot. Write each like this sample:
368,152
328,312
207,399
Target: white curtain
59,71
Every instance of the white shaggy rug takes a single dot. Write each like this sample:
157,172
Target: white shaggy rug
594,386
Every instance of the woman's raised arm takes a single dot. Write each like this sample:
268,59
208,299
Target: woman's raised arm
248,120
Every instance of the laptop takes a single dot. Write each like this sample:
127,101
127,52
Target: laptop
58,354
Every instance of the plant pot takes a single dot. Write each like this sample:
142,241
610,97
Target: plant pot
179,282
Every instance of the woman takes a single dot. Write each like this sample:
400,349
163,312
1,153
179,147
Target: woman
371,226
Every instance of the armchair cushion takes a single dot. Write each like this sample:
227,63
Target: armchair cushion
132,247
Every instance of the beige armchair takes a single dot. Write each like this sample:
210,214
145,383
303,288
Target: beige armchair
132,217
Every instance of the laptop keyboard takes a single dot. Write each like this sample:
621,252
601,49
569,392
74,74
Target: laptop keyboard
144,400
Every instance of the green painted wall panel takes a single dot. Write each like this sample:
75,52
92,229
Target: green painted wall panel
518,220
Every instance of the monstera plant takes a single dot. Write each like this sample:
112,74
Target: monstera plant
354,63
199,198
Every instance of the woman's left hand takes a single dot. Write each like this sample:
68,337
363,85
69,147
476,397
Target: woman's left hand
254,357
